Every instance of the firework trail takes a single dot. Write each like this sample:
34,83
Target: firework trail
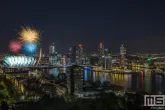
15,46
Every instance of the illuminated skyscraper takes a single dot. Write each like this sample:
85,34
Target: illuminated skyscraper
107,52
107,59
86,60
62,60
101,49
52,49
52,55
122,57
68,59
77,54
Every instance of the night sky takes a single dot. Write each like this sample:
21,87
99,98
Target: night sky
138,24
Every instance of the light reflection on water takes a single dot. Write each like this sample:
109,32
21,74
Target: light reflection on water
149,83
54,72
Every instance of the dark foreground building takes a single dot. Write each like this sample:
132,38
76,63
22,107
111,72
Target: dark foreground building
75,79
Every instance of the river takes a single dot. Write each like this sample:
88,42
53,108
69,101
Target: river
150,82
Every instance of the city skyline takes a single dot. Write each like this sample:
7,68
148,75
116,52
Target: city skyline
138,25
82,54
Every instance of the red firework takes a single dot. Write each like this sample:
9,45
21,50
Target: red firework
15,46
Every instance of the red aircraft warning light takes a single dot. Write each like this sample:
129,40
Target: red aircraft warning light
101,43
80,45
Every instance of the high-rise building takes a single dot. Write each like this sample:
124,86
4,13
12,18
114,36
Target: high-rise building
94,60
52,49
101,49
62,60
75,82
107,60
52,55
68,59
45,60
107,52
122,57
86,60
53,59
77,54
101,54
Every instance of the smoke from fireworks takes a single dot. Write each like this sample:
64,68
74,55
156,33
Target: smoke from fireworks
30,48
15,46
29,35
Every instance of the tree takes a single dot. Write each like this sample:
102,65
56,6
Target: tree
4,105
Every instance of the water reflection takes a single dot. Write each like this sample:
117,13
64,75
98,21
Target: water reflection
54,72
151,82
147,80
158,83
94,76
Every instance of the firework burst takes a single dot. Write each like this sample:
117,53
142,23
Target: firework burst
30,48
29,35
15,46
